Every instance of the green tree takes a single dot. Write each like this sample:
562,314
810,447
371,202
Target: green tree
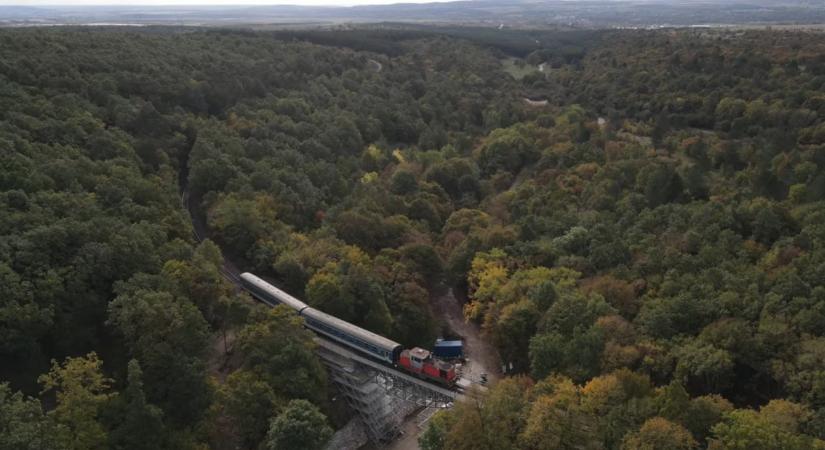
577,356
362,229
508,149
413,325
200,278
240,222
327,292
728,110
281,352
403,182
437,432
448,175
513,330
660,184
350,291
505,411
248,402
673,401
170,339
705,366
24,426
704,413
747,429
21,319
81,391
230,313
140,424
299,425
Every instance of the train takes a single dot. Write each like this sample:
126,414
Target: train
416,361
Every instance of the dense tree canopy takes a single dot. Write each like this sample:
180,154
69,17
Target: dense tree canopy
646,248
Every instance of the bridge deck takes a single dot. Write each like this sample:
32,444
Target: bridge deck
335,348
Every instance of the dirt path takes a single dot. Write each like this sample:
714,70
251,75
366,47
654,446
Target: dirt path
411,429
482,357
535,102
377,65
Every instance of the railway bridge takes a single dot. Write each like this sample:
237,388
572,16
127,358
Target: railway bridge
380,394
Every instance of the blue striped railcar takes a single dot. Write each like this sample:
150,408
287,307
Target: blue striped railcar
352,336
269,294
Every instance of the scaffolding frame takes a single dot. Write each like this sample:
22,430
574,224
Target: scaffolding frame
380,395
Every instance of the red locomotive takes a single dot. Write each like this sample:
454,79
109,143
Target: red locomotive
421,363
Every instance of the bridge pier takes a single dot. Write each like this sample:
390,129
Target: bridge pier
380,413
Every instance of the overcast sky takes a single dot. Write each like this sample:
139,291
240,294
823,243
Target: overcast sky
209,2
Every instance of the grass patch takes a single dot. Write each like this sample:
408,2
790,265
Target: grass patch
517,68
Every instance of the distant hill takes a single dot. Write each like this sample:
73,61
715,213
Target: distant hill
595,13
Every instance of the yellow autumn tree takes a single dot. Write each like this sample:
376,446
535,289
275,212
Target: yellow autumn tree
659,433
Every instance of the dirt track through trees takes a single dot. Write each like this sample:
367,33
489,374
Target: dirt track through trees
481,356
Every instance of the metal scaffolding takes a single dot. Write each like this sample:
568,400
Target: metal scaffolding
381,395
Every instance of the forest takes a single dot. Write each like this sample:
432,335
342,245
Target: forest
644,240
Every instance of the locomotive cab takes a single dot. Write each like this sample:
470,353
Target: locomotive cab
415,358
421,363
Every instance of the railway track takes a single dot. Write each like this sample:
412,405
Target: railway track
228,269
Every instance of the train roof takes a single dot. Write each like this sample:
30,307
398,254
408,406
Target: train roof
420,353
276,293
441,343
352,330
